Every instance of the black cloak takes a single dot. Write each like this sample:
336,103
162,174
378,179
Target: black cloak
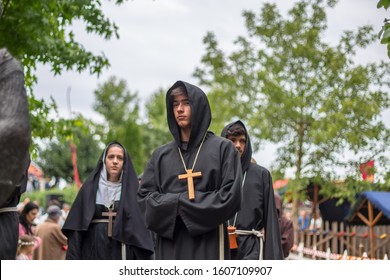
128,227
258,209
9,221
190,229
14,155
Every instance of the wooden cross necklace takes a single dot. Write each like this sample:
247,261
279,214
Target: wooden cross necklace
110,214
189,175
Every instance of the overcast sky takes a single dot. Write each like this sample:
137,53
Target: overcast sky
161,42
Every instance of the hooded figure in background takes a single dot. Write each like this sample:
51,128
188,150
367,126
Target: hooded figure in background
105,222
15,137
256,224
191,224
286,227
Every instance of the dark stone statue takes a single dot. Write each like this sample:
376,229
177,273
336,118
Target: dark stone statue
14,155
14,126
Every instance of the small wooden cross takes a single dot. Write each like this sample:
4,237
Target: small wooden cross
110,214
190,181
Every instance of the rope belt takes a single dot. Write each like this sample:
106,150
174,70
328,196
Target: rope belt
96,221
221,243
256,233
8,209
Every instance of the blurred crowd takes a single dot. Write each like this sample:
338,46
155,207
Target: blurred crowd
40,236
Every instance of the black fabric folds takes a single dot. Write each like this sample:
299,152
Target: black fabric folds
188,229
258,209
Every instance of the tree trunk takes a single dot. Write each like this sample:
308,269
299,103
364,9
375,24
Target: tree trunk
295,194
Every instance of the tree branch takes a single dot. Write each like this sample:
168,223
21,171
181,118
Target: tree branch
2,11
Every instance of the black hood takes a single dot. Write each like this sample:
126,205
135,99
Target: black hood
200,115
247,154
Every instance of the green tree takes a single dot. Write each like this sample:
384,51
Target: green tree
55,157
120,109
41,32
292,88
384,34
156,131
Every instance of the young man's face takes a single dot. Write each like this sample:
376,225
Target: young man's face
182,111
239,142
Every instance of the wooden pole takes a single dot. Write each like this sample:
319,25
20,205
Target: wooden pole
371,227
315,201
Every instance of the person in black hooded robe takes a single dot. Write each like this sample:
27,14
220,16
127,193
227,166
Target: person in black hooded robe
185,228
112,187
258,212
15,137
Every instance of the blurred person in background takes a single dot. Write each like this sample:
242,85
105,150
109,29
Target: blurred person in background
25,247
54,242
286,227
26,223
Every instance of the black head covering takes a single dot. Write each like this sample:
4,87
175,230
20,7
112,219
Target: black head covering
247,154
128,227
200,115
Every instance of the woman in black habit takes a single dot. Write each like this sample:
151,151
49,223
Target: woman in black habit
104,222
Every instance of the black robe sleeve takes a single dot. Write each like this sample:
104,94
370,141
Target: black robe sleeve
160,209
272,247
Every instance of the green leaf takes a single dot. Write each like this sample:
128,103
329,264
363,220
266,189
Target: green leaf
386,36
383,3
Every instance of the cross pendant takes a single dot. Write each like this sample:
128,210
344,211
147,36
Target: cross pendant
190,181
110,214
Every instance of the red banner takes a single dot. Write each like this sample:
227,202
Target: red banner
76,177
